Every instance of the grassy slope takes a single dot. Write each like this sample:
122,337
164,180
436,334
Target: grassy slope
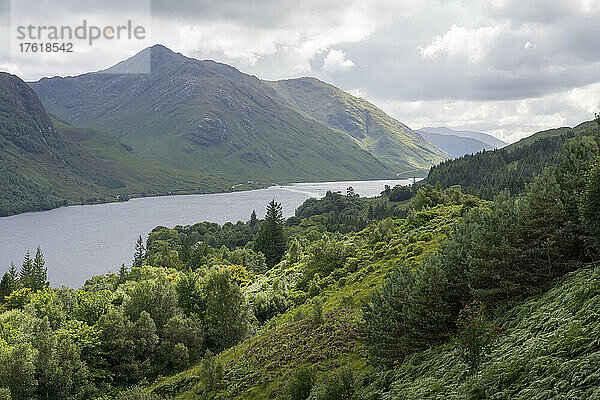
208,117
549,348
141,176
377,132
257,368
577,130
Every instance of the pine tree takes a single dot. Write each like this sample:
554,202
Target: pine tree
26,273
270,240
6,286
253,219
40,272
140,253
123,273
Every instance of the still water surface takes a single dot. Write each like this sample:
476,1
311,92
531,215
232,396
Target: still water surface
81,241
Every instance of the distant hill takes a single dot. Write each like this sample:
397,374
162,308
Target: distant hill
45,166
456,146
482,137
208,117
385,137
487,173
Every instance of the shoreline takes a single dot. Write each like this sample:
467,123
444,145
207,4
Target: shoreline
232,189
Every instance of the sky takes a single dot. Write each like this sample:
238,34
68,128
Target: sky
505,67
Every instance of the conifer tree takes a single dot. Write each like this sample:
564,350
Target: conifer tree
270,240
140,253
26,272
40,272
253,219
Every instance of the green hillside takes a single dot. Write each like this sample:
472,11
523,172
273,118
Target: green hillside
47,163
457,298
487,173
207,117
377,132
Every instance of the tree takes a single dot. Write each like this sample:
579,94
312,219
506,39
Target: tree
253,219
590,208
33,273
224,310
211,372
26,273
40,272
385,331
475,335
271,240
140,253
17,370
9,282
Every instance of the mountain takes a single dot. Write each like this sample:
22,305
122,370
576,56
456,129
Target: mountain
45,166
456,146
209,117
487,173
385,137
482,137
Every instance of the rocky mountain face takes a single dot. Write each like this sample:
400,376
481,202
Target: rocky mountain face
387,138
46,163
209,117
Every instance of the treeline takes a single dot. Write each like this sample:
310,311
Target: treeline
487,173
18,194
497,255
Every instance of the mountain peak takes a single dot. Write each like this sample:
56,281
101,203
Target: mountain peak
148,60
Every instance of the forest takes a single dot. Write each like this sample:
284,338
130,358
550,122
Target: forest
487,173
488,291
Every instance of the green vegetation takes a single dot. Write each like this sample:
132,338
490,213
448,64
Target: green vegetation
46,163
457,298
388,139
487,173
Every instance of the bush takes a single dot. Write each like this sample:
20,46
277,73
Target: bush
317,312
300,383
475,335
266,306
138,393
338,385
211,372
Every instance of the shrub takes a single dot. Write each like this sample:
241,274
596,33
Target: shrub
211,372
138,393
475,335
317,312
301,383
266,306
385,328
337,385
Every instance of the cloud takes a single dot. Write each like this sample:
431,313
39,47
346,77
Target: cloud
336,61
506,66
509,120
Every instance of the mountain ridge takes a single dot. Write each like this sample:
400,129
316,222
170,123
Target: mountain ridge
46,163
204,116
483,137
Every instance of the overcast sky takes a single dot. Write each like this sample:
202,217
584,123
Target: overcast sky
506,67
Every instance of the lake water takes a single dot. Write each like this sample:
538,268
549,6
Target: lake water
81,241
